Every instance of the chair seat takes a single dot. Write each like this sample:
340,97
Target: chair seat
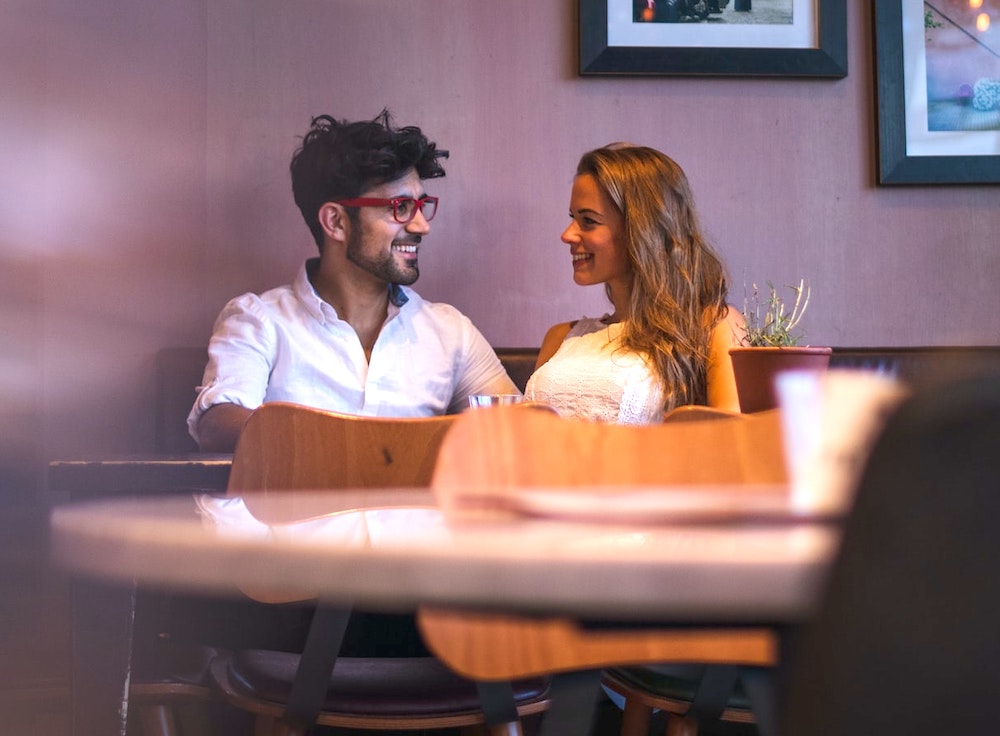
668,685
376,686
659,688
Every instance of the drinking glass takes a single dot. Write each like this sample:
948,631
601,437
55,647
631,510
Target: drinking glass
477,401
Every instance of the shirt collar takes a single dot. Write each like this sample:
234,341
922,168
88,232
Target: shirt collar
307,294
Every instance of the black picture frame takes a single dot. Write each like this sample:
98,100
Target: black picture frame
897,164
827,60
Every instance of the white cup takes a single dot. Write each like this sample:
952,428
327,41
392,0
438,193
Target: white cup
477,401
830,420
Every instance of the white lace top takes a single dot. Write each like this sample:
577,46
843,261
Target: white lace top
592,377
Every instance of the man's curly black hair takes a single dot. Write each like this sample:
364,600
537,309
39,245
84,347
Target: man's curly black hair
340,160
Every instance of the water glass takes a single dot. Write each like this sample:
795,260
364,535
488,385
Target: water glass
477,401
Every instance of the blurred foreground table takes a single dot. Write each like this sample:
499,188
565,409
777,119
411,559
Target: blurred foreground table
393,550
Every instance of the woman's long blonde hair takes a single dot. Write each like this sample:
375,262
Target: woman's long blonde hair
679,283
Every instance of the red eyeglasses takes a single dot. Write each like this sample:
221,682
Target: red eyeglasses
404,209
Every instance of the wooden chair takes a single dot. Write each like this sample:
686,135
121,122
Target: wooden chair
697,413
285,446
487,455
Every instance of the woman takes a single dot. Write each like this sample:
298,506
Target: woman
666,343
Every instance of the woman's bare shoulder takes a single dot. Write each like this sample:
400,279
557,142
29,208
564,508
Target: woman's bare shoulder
553,339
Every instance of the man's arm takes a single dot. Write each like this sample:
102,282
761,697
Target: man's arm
481,372
220,426
240,357
501,385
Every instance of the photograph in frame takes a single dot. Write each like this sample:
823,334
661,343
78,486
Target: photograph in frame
938,91
794,38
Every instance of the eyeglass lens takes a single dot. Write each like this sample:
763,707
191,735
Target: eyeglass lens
405,208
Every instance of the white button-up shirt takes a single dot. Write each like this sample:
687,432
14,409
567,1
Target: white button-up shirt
287,344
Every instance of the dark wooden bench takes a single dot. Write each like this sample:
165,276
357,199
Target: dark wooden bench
922,367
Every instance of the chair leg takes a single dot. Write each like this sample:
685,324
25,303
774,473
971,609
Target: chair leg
762,690
285,729
636,718
263,726
506,729
271,726
573,698
678,725
195,720
157,720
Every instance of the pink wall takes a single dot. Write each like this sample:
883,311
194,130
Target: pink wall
144,170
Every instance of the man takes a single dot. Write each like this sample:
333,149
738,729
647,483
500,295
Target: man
349,335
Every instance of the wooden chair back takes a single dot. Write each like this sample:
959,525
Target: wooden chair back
286,446
489,452
697,413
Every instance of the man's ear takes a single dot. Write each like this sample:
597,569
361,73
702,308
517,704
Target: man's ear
333,219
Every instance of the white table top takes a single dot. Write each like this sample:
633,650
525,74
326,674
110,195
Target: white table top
393,549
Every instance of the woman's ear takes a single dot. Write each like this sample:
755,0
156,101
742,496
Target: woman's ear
333,219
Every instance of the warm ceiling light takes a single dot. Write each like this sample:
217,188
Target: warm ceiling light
975,4
982,22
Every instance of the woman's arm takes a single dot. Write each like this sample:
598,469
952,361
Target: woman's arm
721,381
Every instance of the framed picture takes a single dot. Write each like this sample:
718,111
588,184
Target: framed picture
937,65
770,38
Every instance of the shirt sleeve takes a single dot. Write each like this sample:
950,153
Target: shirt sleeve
240,355
480,370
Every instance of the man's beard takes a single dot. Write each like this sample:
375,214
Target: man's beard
382,265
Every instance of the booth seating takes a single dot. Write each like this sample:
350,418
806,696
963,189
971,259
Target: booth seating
179,371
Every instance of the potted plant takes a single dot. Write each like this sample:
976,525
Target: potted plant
770,344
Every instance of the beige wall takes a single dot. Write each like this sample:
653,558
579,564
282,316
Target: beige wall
144,168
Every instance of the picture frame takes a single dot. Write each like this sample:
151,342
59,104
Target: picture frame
923,106
707,49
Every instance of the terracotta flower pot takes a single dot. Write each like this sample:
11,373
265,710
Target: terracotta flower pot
755,369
